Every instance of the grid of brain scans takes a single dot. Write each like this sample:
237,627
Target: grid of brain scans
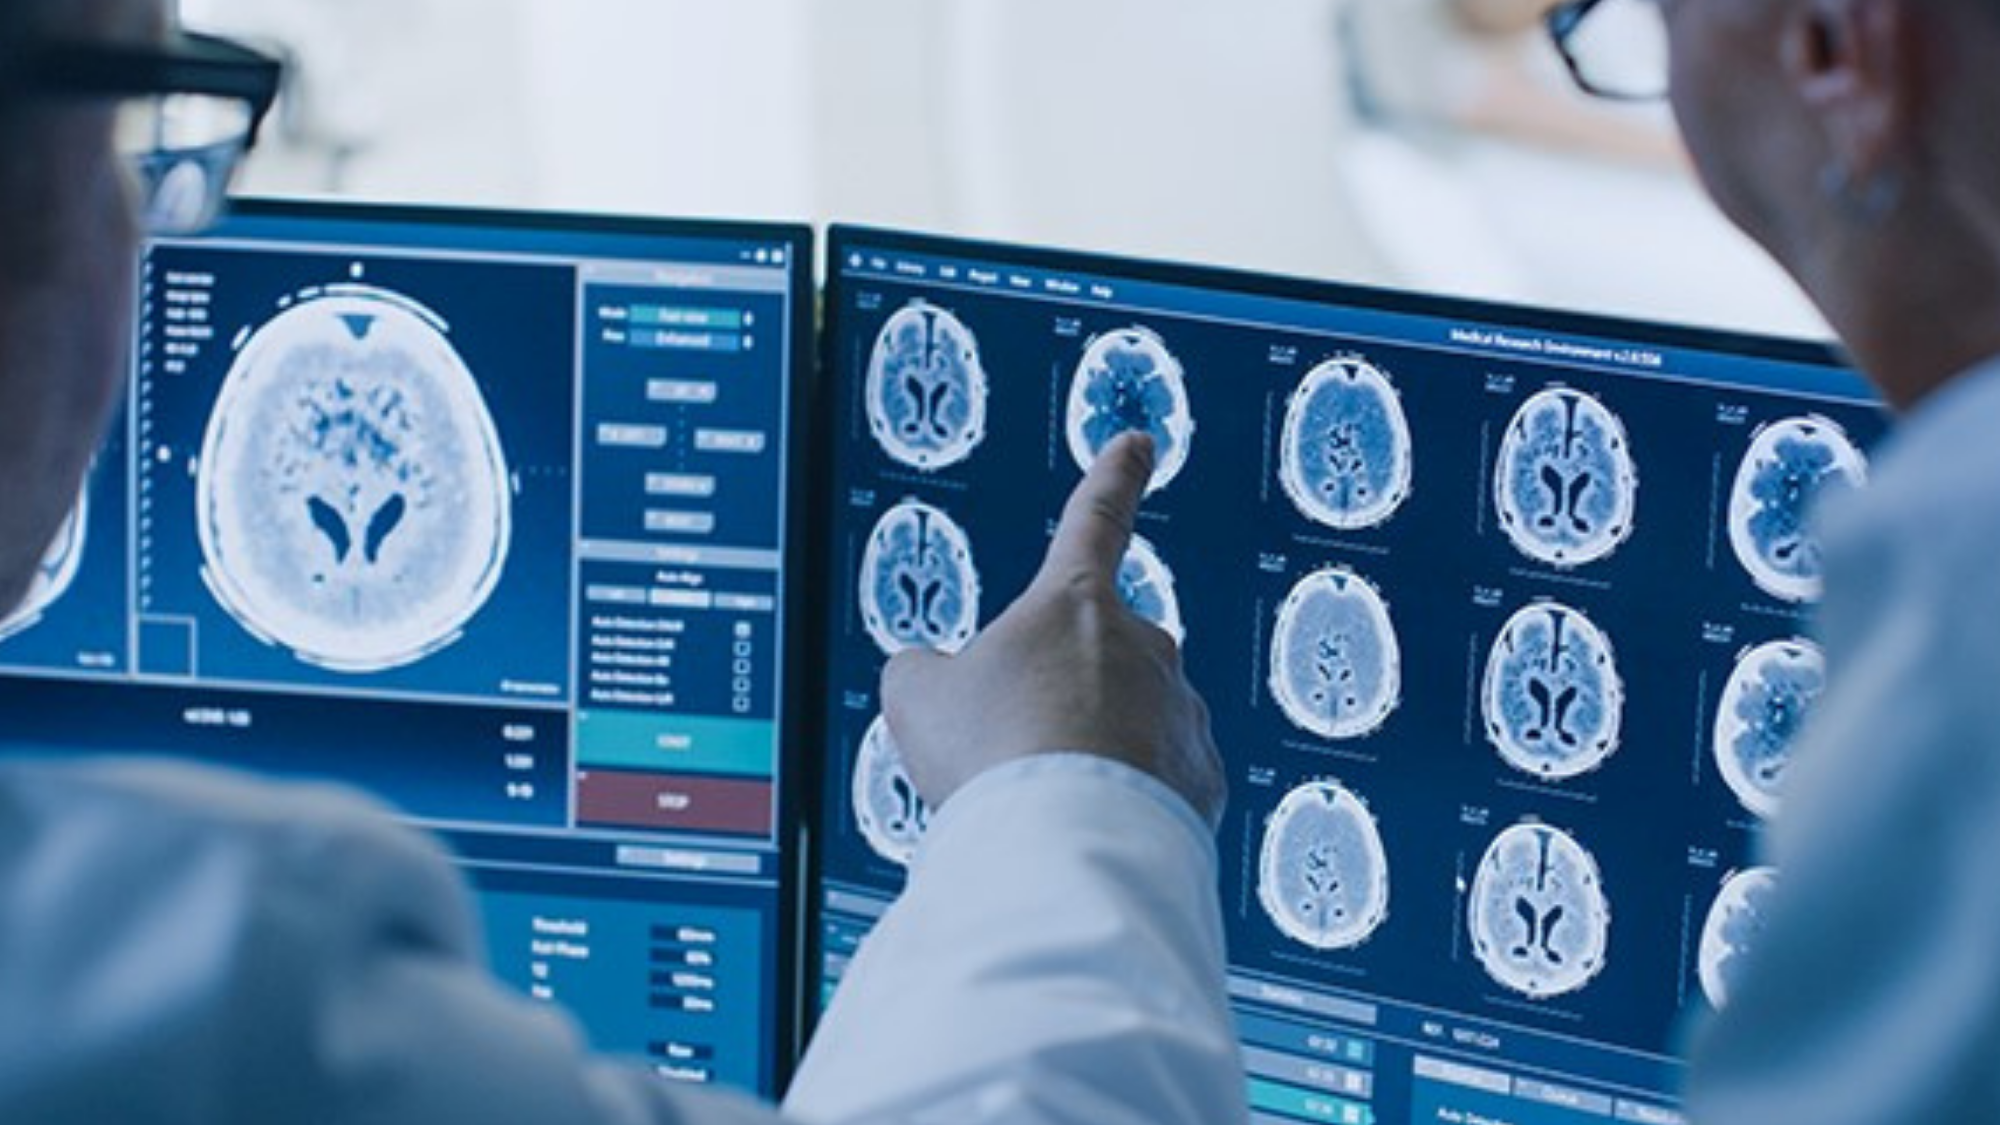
1502,616
487,515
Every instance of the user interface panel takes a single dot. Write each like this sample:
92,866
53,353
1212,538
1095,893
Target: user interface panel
1501,616
489,517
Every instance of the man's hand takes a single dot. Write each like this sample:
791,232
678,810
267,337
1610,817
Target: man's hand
1067,668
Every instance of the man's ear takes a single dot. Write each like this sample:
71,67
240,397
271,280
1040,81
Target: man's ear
1855,64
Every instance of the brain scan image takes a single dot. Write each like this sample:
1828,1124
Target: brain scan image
1565,482
1735,923
1765,702
54,574
892,816
353,500
1322,874
1552,697
1128,380
926,389
1539,919
918,585
1346,460
1790,464
1146,587
1336,670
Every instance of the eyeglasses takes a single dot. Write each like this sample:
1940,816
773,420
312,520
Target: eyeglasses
189,110
1614,48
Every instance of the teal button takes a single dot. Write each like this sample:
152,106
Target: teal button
1308,1105
632,740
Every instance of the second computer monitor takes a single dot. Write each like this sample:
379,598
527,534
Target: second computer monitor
1501,616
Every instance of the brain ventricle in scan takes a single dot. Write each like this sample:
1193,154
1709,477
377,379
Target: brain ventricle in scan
1538,915
926,388
54,574
919,588
354,502
891,813
1128,381
1322,873
1764,704
1565,483
1552,698
1788,468
1336,667
1346,460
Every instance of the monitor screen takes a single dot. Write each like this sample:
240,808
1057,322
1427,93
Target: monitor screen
487,515
1501,615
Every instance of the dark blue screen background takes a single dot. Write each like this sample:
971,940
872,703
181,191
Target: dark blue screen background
1675,603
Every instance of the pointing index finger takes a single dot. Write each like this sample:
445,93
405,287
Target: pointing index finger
1097,522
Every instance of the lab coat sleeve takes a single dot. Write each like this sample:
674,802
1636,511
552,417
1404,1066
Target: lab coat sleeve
183,947
1056,959
1874,994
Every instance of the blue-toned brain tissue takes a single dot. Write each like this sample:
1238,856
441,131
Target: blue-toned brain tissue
1336,667
1146,587
1346,458
1790,467
926,389
1565,483
354,501
1771,691
1539,918
1128,380
919,588
1735,924
1322,873
1553,699
887,807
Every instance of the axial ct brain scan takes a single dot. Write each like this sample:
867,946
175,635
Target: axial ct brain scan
1336,669
1128,380
1553,698
1735,923
1539,918
1346,459
1566,483
1476,701
926,389
1322,874
354,499
1146,586
1790,464
919,588
1764,704
55,573
891,814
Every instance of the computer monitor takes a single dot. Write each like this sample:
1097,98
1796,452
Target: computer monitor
489,515
1501,615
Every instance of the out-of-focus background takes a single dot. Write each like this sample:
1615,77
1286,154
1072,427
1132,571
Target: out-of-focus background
1423,144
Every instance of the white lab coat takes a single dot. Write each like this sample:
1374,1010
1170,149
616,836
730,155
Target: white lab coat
1873,997
182,946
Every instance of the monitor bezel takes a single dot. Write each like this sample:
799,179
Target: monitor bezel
802,388
843,238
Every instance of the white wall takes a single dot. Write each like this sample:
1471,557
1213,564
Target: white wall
1205,130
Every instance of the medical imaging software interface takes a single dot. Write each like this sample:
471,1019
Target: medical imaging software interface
488,519
1502,617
